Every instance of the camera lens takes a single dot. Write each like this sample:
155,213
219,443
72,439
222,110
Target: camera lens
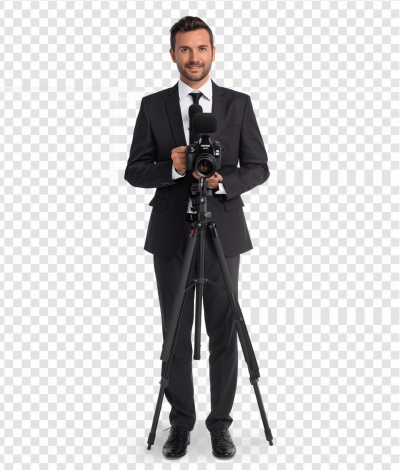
205,166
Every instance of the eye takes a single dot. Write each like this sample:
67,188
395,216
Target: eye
186,48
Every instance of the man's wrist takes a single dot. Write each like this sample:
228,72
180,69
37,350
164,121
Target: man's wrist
178,171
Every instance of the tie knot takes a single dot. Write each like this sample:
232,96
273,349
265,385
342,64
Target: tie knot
196,96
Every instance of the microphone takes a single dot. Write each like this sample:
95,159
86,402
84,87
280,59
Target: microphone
205,123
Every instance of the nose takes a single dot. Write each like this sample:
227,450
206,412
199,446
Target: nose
194,58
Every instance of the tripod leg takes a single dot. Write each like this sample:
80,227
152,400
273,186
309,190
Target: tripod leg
189,281
199,290
172,332
241,328
179,296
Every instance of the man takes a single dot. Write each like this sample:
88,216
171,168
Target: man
162,125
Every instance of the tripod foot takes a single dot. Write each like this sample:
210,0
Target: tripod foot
151,439
268,435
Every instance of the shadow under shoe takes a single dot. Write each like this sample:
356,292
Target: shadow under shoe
177,442
222,444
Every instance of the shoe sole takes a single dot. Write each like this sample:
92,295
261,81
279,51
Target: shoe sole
224,458
174,458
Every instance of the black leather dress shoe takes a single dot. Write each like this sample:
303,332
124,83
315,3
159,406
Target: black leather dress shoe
177,442
222,444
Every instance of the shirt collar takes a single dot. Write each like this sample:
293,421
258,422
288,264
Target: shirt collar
185,89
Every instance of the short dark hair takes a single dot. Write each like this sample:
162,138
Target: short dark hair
189,23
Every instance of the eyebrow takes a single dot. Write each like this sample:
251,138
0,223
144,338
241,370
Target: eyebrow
187,47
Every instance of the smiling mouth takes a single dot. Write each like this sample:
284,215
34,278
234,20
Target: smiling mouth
195,68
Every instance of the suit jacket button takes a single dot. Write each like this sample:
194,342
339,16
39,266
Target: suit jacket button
185,203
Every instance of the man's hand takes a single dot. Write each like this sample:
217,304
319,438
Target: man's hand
213,180
178,155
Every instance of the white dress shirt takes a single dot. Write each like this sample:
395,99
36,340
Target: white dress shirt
185,102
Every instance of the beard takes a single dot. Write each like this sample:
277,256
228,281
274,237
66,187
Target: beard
194,76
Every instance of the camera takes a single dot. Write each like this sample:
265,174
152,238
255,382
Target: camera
204,157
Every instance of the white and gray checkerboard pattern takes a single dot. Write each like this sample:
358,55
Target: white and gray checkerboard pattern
81,326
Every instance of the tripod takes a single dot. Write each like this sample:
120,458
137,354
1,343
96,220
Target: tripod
198,229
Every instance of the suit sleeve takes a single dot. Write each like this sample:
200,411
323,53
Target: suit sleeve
252,156
142,170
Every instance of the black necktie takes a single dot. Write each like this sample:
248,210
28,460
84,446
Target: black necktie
195,135
196,98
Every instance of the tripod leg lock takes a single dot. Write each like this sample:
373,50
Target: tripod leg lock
253,380
164,382
238,319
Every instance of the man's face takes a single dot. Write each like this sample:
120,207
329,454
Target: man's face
193,48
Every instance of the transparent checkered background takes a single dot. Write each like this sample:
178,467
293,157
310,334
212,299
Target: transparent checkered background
81,332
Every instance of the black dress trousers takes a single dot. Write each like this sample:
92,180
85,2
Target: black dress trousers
221,331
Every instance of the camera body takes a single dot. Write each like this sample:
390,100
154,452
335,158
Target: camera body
204,156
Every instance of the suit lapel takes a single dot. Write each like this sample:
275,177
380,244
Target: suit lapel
175,115
218,106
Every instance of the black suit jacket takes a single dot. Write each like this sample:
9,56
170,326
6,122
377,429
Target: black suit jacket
158,130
